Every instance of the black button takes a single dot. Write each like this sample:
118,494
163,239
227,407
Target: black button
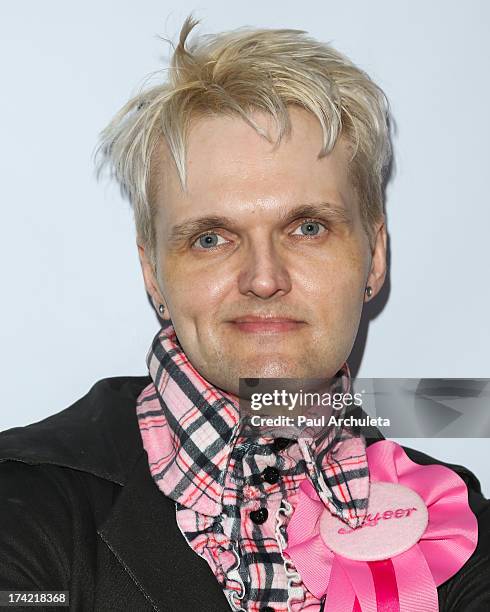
280,444
267,609
259,516
270,475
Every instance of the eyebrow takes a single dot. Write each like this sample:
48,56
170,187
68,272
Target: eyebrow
191,227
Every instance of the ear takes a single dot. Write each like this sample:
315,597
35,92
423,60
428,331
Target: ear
377,273
149,277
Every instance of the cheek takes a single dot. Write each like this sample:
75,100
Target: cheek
336,282
192,294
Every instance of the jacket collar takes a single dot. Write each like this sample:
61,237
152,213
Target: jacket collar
143,534
97,434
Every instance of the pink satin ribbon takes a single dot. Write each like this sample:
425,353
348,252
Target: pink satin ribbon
406,582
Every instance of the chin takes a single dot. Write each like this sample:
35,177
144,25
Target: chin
274,367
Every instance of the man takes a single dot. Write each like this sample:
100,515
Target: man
256,175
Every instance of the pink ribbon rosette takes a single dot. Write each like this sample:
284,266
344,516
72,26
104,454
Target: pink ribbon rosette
418,532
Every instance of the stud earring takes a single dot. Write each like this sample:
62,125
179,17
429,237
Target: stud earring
161,309
369,291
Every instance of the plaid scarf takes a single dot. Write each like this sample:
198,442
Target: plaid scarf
191,433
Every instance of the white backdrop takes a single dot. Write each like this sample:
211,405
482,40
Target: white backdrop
74,307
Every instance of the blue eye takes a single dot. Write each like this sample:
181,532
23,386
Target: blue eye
310,228
207,241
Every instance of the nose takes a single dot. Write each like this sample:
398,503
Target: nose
264,272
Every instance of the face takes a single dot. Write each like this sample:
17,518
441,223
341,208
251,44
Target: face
263,261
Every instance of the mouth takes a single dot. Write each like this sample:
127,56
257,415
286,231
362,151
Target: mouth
266,324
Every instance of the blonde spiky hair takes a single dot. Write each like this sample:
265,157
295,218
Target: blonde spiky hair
236,73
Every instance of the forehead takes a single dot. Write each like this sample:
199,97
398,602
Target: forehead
228,162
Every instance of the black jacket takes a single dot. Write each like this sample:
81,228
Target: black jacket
78,510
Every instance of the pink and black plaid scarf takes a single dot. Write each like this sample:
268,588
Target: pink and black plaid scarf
189,429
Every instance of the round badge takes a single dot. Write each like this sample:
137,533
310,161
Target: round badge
396,520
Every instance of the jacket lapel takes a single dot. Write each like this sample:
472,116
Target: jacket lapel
143,534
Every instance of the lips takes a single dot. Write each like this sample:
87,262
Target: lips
266,324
